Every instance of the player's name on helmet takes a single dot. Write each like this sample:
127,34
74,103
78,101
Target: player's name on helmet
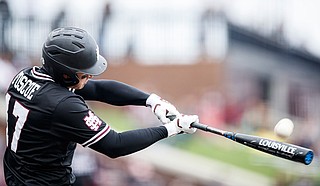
277,146
25,86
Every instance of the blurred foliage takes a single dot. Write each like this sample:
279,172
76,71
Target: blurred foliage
220,149
228,153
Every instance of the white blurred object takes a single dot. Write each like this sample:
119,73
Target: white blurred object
84,162
284,128
7,71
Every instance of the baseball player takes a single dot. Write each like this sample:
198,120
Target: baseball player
47,114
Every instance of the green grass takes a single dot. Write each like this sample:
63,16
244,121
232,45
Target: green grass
115,118
211,146
227,152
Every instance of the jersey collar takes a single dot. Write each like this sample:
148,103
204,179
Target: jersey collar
36,72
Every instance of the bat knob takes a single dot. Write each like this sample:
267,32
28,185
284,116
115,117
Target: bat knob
172,117
308,158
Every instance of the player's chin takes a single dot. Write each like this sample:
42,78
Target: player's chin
81,86
78,86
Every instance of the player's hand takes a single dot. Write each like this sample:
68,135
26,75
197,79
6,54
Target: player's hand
182,124
161,108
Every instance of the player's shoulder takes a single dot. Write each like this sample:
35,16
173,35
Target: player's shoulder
55,94
27,83
35,86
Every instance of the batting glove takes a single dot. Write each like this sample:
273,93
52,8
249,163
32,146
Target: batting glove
182,124
161,108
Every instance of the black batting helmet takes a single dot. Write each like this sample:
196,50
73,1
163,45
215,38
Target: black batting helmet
69,50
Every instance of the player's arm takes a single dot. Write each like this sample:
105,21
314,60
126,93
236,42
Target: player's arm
116,144
121,94
74,121
113,92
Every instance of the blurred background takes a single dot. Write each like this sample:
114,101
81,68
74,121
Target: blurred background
241,65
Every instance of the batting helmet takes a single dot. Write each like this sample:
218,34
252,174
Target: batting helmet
69,50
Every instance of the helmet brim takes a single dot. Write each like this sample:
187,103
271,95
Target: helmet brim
99,67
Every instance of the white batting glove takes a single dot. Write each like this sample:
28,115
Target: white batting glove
182,124
161,108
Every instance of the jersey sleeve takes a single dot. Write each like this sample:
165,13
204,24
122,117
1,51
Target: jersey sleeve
120,144
113,92
74,121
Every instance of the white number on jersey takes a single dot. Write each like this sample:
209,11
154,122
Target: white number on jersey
21,113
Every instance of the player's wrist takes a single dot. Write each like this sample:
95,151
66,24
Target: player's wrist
172,129
152,100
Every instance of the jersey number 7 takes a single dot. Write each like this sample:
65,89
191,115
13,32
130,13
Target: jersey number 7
21,113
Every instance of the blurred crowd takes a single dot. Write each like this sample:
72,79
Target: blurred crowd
101,171
250,114
119,28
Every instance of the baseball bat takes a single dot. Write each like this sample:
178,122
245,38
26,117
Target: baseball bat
280,149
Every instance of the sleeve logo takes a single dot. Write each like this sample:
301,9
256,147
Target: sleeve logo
92,121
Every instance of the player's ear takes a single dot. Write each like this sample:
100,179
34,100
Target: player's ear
69,80
66,77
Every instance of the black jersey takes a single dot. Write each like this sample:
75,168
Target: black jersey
44,123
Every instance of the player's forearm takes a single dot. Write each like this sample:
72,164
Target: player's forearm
113,92
120,144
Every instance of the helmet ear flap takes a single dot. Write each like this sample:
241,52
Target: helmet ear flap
65,76
69,80
60,73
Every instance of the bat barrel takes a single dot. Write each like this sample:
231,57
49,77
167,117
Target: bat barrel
280,149
276,148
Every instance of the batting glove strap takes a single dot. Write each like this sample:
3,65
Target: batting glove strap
161,108
172,129
152,100
182,124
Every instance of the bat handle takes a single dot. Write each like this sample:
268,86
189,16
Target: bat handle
195,125
171,117
200,126
209,129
